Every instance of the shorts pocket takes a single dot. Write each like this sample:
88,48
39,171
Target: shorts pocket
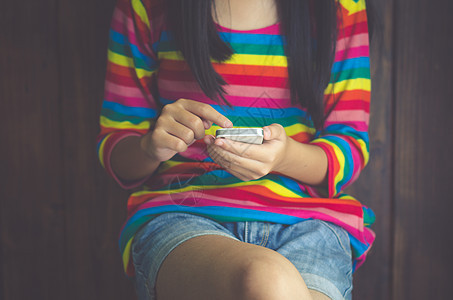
341,236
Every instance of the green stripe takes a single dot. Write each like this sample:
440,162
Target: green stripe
274,50
251,49
350,74
121,50
258,121
118,117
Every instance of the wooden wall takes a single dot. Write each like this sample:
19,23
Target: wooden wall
60,214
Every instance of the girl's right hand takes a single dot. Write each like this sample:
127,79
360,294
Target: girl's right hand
178,126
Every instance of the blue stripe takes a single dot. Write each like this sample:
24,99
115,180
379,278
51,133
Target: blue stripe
291,184
345,148
215,212
239,38
352,63
342,129
123,40
253,112
251,39
220,214
142,112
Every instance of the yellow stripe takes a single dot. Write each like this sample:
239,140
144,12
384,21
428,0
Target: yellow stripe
290,130
168,164
274,187
126,254
366,155
352,6
101,150
349,85
145,125
128,62
140,10
259,60
298,128
347,197
238,59
340,157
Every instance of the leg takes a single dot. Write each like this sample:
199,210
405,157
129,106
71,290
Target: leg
315,295
217,267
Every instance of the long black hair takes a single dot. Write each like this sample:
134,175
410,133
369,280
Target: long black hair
309,59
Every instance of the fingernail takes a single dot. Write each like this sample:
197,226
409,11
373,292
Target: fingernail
228,124
267,131
208,141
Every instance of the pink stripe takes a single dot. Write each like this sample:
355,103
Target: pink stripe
129,101
123,91
270,30
235,90
118,25
357,158
259,102
264,101
353,41
209,196
359,126
351,223
116,138
350,116
362,51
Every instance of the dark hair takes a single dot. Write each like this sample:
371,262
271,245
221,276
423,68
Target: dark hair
309,60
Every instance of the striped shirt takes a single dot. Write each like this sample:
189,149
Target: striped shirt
143,59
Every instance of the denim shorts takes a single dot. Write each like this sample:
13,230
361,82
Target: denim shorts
319,250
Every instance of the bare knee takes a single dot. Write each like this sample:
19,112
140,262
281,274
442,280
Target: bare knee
270,277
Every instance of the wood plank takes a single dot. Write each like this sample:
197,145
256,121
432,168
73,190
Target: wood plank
96,207
373,188
424,143
32,222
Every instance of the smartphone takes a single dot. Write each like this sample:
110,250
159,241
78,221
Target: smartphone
244,135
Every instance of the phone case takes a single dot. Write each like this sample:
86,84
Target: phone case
244,135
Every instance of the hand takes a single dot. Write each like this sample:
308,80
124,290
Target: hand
178,126
249,161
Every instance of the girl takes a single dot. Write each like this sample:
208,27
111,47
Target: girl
218,219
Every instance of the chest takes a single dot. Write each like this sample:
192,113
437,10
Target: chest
245,14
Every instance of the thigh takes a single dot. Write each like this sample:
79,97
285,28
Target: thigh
321,252
216,267
158,238
182,256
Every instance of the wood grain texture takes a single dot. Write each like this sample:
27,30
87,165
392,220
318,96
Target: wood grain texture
95,206
32,223
423,147
60,214
373,188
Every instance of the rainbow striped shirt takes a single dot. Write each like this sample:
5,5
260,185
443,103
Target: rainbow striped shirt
142,58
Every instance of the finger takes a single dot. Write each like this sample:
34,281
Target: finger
206,124
241,149
274,131
169,141
191,121
207,112
182,132
226,164
248,168
209,139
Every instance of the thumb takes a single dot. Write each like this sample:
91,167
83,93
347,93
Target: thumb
274,131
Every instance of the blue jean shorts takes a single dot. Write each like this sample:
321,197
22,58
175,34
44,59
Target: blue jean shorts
319,250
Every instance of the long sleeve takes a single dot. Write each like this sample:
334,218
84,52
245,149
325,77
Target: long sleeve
345,134
129,107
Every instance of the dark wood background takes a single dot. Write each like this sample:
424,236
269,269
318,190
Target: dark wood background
60,214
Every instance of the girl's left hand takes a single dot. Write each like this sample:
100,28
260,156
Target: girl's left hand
249,161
